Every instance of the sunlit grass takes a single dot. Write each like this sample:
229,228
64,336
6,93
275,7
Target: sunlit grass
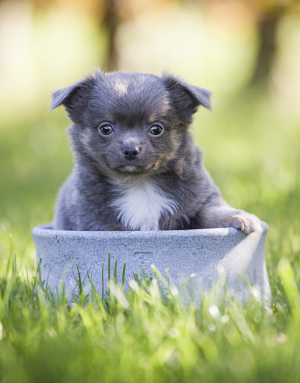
145,334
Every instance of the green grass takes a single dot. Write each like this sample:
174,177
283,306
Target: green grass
145,335
251,149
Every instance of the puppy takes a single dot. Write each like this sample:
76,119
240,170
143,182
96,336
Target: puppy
136,166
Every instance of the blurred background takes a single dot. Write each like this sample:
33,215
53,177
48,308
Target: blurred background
247,52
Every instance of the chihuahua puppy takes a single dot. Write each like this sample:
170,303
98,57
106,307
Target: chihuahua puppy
136,165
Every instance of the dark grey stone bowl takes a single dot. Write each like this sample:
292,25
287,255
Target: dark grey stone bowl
206,253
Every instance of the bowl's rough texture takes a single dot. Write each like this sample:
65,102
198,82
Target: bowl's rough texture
185,252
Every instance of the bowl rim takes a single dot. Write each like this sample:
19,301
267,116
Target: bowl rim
46,231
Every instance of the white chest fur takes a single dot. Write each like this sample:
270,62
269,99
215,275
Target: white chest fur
140,204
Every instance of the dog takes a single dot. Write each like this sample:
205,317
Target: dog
136,164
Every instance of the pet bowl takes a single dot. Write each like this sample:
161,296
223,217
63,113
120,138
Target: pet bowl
201,253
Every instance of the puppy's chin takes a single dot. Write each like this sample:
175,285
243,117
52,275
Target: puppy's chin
136,170
131,169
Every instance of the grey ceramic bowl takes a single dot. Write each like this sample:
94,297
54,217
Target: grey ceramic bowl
186,252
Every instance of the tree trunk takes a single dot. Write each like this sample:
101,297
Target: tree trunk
267,51
111,21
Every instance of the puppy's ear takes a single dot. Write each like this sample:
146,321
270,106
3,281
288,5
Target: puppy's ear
187,98
63,96
73,95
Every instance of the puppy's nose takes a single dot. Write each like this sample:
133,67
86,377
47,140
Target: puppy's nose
130,153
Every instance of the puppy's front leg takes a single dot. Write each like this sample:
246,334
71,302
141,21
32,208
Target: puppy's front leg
217,213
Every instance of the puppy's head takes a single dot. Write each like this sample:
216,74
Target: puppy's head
130,123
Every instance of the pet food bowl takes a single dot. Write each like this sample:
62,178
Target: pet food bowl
200,253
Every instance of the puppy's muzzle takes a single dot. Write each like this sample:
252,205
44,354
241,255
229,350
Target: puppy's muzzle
130,153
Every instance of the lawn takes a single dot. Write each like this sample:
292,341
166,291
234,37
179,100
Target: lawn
251,146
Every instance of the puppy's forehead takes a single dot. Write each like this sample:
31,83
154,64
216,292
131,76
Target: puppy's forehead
135,96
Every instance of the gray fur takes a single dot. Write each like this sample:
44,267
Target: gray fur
170,162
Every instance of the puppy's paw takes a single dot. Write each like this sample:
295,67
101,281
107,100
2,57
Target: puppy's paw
245,222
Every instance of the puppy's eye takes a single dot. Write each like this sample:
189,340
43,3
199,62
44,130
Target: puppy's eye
105,129
156,130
